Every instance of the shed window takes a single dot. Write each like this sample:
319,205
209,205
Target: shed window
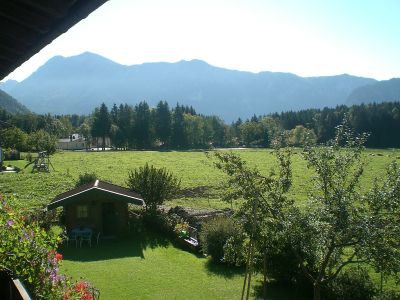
82,211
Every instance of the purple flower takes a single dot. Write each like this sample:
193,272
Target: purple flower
10,223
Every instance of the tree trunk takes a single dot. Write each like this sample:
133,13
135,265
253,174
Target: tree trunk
317,291
265,275
247,270
104,143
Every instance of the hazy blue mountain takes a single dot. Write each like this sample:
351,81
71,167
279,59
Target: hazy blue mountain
381,91
8,85
10,104
77,84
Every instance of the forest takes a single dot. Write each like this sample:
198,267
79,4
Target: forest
181,127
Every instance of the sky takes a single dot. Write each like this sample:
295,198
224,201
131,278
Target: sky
304,37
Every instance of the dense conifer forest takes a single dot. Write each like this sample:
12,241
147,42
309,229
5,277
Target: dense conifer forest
181,127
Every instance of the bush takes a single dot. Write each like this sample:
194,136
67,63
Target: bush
388,295
354,283
85,178
155,185
283,266
215,233
159,221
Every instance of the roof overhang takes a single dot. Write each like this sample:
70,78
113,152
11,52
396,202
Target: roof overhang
94,191
93,194
26,26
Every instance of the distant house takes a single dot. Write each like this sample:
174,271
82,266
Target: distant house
98,205
73,142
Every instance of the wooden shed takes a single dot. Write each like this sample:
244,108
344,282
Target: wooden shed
98,205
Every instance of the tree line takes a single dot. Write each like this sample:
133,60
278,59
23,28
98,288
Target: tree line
181,127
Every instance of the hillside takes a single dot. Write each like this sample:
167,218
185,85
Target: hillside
77,84
10,104
382,91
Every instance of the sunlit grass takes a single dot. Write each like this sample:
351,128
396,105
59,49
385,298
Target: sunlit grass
193,168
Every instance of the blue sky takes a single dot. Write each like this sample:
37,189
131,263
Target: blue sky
305,37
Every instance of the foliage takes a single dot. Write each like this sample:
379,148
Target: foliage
234,248
155,185
214,234
383,200
86,178
101,123
13,138
353,283
41,141
328,234
301,136
381,120
265,202
28,251
163,123
335,228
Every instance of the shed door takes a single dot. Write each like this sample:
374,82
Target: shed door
109,218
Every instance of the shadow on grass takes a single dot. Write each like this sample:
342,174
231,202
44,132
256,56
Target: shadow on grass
277,291
132,245
223,270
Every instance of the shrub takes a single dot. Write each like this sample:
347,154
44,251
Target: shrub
85,178
283,266
388,295
235,248
354,283
215,233
155,185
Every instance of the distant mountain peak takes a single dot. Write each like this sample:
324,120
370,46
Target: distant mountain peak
77,84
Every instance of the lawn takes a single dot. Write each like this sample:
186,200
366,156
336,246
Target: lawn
147,266
200,180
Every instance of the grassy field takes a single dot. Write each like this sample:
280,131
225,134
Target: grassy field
147,266
200,180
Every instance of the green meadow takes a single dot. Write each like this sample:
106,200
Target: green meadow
148,266
200,181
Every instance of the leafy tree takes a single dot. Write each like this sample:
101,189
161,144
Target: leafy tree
265,202
337,226
301,136
41,141
194,130
13,138
328,234
384,242
155,185
101,124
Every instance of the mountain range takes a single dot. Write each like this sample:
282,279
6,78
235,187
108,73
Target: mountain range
11,105
79,83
